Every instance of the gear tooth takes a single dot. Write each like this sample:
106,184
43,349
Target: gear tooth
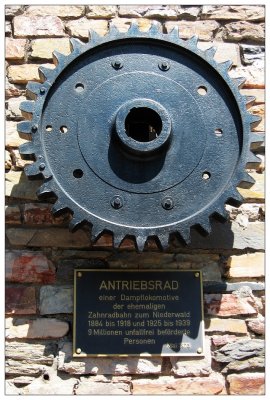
155,28
46,173
246,181
206,226
58,206
25,128
140,240
32,89
255,138
249,100
113,30
226,65
254,120
235,199
117,240
44,189
37,168
174,33
193,41
95,232
27,107
58,58
163,241
222,213
93,37
75,45
75,222
32,169
185,234
45,74
239,82
134,28
27,148
252,160
249,178
210,53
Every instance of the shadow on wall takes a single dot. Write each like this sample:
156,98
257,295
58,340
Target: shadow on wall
221,237
19,186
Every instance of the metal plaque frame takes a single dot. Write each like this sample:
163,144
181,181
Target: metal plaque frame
135,312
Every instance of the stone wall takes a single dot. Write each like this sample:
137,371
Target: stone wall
41,253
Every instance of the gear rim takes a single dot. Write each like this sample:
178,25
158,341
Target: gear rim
39,93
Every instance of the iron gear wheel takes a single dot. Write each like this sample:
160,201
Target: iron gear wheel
140,134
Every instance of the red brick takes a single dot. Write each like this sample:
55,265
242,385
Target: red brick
12,215
38,26
257,326
29,266
13,90
221,340
48,237
105,240
37,214
20,300
226,305
214,384
15,49
247,383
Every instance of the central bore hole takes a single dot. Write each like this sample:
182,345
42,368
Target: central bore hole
143,124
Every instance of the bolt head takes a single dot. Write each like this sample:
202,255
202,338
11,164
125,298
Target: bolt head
117,64
34,128
117,202
42,90
41,167
164,65
167,203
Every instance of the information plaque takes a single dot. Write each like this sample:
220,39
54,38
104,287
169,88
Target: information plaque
137,312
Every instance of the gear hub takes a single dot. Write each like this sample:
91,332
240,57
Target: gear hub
139,134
